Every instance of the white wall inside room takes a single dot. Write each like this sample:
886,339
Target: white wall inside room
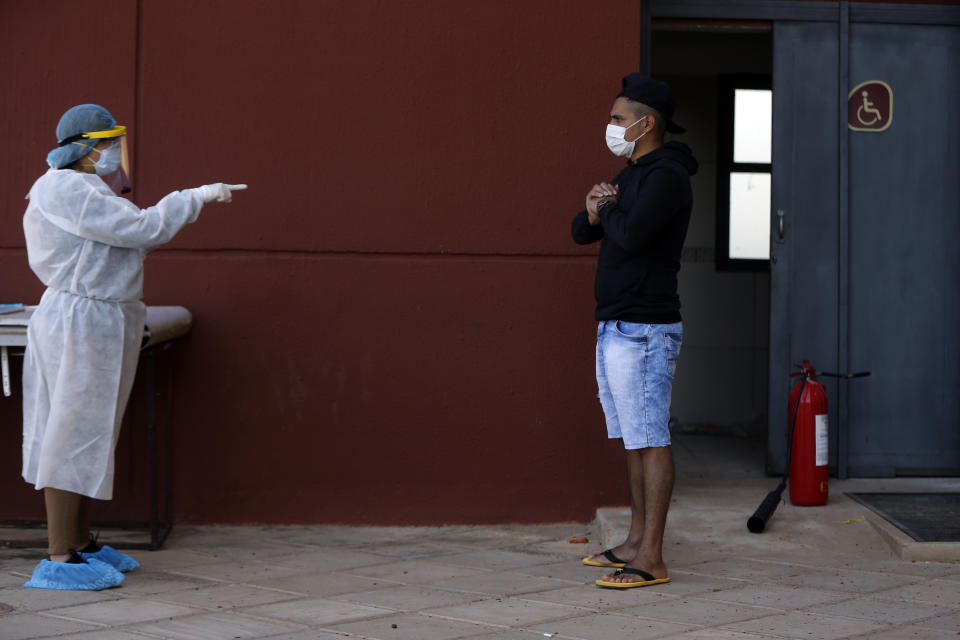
722,375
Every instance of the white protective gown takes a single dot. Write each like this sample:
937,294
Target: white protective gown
87,246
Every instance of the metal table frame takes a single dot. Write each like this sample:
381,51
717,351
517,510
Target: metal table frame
13,342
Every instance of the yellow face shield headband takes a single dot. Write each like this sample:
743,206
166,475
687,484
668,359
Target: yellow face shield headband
119,133
115,132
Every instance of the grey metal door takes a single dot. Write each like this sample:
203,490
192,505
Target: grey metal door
904,293
866,273
804,256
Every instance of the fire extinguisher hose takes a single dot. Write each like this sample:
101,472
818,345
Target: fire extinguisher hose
758,521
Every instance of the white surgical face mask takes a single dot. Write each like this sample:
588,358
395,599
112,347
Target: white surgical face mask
616,140
110,160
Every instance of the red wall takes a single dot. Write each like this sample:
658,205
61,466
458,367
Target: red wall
392,325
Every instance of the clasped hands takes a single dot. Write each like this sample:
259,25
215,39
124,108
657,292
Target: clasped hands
598,192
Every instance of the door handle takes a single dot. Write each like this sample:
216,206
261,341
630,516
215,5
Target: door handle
780,226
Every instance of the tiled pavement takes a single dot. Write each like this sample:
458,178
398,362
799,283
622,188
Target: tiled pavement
816,573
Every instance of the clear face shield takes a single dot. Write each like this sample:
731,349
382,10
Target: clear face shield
119,180
113,167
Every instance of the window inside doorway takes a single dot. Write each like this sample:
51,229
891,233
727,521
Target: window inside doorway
743,173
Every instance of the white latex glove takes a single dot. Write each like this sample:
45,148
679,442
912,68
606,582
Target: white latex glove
218,191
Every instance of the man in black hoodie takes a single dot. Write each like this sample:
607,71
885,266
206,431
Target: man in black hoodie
640,219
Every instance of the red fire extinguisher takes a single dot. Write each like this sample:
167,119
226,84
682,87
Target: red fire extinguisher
809,449
807,446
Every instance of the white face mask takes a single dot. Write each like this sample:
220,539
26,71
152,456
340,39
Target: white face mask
110,160
616,140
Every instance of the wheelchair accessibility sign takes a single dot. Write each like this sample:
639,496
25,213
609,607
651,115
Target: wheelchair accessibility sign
870,106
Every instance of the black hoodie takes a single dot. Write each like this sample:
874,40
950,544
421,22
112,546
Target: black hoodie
642,237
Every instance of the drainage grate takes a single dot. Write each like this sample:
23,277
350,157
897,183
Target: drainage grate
926,517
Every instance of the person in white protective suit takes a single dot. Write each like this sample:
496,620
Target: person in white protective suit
87,245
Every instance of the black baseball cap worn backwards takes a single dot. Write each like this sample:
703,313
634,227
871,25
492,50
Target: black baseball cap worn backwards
653,93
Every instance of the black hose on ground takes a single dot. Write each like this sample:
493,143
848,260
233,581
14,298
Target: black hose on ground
758,521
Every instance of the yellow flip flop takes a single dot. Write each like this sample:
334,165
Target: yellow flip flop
609,555
647,581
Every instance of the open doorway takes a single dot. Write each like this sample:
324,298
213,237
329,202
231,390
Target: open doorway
722,382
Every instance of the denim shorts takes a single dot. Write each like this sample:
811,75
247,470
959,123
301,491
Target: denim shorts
635,368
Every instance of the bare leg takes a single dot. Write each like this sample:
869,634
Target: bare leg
637,514
629,548
82,536
63,509
655,484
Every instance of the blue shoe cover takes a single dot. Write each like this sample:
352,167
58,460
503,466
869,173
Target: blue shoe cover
92,575
119,561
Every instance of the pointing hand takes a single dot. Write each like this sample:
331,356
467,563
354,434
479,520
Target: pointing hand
218,191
